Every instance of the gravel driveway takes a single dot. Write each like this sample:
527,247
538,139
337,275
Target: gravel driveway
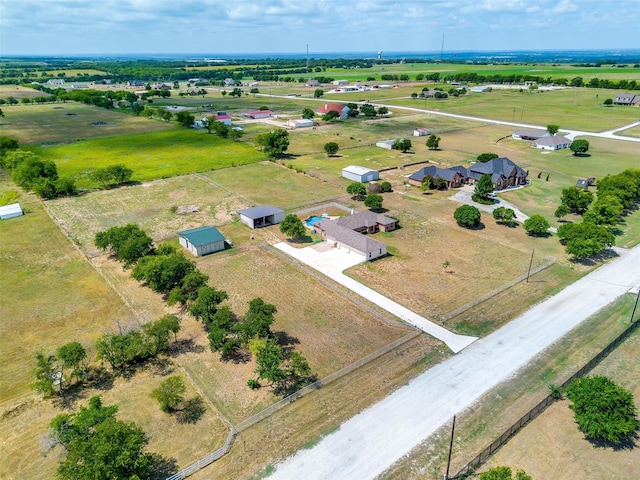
369,443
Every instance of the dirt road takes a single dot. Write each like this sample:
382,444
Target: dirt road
367,444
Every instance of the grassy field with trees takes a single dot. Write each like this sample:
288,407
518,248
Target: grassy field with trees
64,289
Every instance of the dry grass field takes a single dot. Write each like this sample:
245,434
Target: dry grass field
149,205
70,122
554,435
50,295
273,184
330,331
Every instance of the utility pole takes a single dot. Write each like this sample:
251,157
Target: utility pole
453,428
635,305
530,263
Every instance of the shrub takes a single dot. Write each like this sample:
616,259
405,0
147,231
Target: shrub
467,216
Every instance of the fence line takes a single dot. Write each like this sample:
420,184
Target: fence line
326,380
208,460
249,422
318,206
482,457
498,290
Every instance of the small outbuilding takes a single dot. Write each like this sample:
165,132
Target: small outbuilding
261,216
421,132
360,174
256,114
386,144
10,211
301,123
202,240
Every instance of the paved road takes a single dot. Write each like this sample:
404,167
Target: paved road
331,262
369,443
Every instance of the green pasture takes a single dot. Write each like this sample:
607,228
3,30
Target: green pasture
274,184
70,122
150,155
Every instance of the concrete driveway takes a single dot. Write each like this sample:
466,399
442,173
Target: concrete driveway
332,261
369,443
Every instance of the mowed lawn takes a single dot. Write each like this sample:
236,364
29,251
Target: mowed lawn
68,122
150,155
150,205
274,184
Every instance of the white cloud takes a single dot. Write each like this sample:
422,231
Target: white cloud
86,26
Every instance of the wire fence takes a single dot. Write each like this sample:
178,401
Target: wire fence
498,290
209,459
483,456
249,422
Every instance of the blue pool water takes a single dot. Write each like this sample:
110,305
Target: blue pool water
311,221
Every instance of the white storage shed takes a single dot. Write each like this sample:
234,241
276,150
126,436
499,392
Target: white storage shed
360,174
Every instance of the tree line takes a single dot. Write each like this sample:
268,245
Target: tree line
167,271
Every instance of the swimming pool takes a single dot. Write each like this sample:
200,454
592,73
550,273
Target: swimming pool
311,221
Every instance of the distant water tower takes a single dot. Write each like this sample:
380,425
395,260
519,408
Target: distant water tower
379,55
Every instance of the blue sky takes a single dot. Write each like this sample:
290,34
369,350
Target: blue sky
63,27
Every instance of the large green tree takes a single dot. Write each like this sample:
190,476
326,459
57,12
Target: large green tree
467,216
274,143
293,227
357,190
72,355
373,201
606,210
163,273
128,243
433,142
331,148
552,129
206,305
100,446
485,157
308,113
483,190
577,200
170,393
504,215
45,374
602,409
536,225
579,146
585,239
402,144
185,119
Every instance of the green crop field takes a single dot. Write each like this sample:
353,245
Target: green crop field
151,155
